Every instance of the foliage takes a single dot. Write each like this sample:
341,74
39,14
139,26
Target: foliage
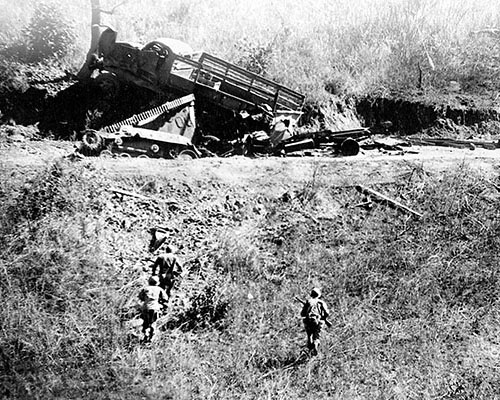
208,308
359,47
11,77
253,56
49,33
414,302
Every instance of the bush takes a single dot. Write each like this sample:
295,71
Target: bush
49,33
11,79
208,308
255,57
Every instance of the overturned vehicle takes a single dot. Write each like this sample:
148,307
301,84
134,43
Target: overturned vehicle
218,108
169,66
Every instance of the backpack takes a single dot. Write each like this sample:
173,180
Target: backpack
313,312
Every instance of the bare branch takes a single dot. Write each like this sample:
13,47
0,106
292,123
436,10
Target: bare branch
111,12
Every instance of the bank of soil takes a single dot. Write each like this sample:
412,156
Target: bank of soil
451,116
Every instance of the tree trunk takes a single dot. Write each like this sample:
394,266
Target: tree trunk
85,70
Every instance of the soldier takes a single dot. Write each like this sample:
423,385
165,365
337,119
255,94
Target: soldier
152,297
170,269
314,313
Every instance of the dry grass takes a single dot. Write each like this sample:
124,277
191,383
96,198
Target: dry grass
414,303
319,47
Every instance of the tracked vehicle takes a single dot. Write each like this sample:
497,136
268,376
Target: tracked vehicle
165,131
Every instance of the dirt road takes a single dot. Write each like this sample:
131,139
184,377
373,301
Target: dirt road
265,174
369,166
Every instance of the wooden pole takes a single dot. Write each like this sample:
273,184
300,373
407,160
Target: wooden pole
380,197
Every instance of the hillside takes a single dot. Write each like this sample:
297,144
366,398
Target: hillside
414,301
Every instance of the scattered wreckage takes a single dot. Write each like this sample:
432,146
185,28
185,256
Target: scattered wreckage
236,111
171,68
164,133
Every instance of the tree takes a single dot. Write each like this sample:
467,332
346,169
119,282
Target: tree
49,33
95,32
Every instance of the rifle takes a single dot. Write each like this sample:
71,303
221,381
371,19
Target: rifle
327,323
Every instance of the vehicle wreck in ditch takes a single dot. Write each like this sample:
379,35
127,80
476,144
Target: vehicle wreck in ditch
218,108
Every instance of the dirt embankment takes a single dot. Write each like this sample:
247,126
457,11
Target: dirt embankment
458,117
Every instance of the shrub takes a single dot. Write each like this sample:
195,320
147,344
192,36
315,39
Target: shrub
208,307
49,33
254,56
11,79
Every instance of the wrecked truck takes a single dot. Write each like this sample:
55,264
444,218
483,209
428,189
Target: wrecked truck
231,102
170,66
237,111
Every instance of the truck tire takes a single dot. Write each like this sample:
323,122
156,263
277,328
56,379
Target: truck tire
109,84
106,154
349,147
187,155
92,142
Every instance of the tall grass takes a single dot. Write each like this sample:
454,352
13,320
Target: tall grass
414,302
319,47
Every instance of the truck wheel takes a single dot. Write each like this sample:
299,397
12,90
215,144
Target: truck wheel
187,155
158,47
106,154
349,147
92,142
108,83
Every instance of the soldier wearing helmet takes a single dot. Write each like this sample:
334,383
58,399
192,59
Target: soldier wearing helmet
169,268
314,314
152,297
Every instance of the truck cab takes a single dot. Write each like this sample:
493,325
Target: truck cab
170,65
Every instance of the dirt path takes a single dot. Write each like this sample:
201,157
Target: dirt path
264,174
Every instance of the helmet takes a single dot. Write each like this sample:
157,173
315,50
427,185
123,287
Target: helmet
153,280
316,292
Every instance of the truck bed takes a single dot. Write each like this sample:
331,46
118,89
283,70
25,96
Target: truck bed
229,85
